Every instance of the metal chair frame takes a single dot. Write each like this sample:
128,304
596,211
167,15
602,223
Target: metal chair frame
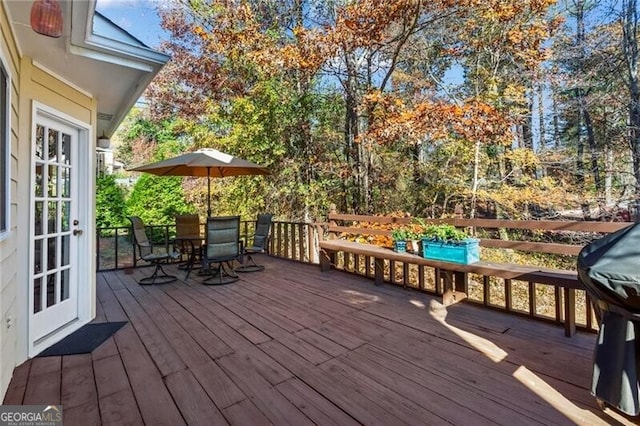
222,247
188,225
259,245
145,252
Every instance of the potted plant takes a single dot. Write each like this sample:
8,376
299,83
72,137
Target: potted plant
450,244
415,234
444,232
399,236
413,240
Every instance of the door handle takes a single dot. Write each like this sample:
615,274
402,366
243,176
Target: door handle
77,232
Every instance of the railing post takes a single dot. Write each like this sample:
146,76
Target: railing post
166,238
279,250
486,290
569,311
301,249
133,247
98,250
533,302
115,243
332,210
378,272
316,233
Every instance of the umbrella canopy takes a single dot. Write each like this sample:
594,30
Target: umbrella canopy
204,162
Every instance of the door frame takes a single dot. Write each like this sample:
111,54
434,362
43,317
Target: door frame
84,169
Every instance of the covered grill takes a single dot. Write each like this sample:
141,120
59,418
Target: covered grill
609,268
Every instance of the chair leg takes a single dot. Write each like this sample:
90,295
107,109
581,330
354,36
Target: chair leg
225,275
159,276
249,265
190,263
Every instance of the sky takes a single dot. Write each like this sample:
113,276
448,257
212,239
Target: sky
138,17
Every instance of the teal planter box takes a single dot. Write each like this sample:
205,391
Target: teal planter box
465,252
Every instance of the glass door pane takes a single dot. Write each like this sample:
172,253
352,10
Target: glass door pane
52,202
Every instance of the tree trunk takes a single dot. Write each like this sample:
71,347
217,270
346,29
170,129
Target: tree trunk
474,188
556,120
301,134
630,50
352,152
582,112
580,176
595,153
608,177
527,134
542,141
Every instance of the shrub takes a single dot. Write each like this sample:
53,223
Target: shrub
110,203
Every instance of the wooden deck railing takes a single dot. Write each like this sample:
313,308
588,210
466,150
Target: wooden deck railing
551,244
296,241
299,242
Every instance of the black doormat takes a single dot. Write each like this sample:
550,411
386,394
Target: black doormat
84,340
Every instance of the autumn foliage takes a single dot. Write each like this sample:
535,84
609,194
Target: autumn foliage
349,102
473,120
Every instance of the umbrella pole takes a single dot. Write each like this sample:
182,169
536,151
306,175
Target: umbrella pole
208,191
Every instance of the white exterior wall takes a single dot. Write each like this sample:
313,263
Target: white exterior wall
32,84
108,65
10,240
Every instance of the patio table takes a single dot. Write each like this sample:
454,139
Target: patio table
186,241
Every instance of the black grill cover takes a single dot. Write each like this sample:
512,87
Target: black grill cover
609,269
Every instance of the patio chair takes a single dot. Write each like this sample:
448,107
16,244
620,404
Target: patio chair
188,241
259,245
222,247
146,253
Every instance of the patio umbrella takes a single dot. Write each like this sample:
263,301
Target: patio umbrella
204,162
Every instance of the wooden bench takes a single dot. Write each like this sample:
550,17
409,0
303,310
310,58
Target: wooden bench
452,279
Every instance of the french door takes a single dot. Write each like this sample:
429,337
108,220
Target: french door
55,227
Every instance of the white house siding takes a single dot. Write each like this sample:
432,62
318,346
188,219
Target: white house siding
30,83
9,283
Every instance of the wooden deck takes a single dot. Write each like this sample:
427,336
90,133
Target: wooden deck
290,345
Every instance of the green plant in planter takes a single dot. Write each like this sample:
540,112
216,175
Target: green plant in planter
449,244
400,234
444,232
414,235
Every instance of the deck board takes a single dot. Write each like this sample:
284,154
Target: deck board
291,345
245,413
119,408
232,329
15,393
192,400
360,405
87,414
392,402
320,410
268,400
147,328
110,376
78,385
217,384
44,379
